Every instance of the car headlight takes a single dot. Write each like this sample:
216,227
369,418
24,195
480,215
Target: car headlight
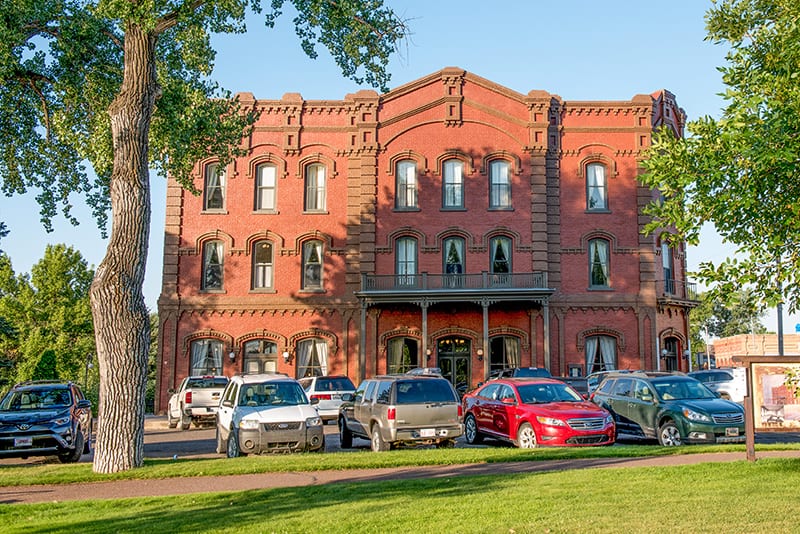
550,421
609,419
248,424
61,421
313,421
695,416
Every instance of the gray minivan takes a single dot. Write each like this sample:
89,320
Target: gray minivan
395,410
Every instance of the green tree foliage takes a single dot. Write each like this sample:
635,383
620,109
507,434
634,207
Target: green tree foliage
740,314
49,316
124,86
740,172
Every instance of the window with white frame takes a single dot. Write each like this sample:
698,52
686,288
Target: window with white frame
206,357
315,187
596,187
454,255
406,261
212,266
453,184
601,353
668,265
312,357
262,265
499,184
312,265
599,263
265,187
500,261
406,185
260,356
214,190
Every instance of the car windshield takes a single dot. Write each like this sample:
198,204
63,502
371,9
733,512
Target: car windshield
36,399
272,394
341,383
544,393
531,372
207,382
416,391
683,389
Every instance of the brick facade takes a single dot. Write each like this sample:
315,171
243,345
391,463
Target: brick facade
422,264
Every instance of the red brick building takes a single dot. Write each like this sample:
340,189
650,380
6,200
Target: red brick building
450,222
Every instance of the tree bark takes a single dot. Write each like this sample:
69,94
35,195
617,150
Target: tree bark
120,316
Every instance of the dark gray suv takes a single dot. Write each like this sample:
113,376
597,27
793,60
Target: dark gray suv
397,410
674,409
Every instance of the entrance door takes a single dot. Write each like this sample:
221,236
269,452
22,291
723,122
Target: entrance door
454,356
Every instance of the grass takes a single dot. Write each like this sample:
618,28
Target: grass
57,473
734,497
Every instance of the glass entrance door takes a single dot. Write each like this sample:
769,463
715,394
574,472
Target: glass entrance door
454,356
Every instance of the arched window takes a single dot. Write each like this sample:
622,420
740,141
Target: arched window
406,185
213,271
312,265
315,188
453,184
454,264
265,187
262,265
206,358
260,356
668,265
499,184
601,353
214,187
596,187
500,261
312,357
599,263
406,261
402,354
503,352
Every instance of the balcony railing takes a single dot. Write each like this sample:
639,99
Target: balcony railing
680,289
455,282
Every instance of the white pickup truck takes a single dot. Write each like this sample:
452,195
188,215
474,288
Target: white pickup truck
195,401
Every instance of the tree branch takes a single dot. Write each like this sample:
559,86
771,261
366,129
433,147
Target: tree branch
169,20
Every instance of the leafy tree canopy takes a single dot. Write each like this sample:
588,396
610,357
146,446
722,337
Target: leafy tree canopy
740,172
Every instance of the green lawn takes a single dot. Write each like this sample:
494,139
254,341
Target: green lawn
732,497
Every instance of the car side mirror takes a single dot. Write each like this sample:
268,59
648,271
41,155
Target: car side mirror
84,404
509,401
171,390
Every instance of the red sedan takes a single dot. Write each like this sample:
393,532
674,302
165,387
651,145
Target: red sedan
532,412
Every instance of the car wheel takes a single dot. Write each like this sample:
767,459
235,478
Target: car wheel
233,450
171,422
378,445
526,437
669,435
345,436
186,421
221,446
471,433
73,455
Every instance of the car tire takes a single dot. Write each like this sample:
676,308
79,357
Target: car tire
73,455
172,423
233,450
345,436
186,421
526,437
378,445
471,434
669,435
221,446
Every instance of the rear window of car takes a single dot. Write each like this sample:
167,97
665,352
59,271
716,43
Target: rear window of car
207,382
341,383
532,372
418,391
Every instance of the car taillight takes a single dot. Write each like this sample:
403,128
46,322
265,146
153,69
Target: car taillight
460,411
391,414
321,397
188,398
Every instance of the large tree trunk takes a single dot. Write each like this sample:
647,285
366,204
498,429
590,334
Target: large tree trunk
120,315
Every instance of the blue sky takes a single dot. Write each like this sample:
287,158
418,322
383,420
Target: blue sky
578,49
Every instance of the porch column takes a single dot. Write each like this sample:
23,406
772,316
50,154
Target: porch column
485,342
424,306
546,313
362,343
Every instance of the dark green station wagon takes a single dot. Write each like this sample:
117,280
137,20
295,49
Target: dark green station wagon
675,409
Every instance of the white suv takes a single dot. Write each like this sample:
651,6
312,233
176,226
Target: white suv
267,413
729,382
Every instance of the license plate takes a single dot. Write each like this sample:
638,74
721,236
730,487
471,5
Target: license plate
427,432
23,442
732,431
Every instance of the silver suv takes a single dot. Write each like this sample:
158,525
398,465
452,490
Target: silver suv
729,384
397,410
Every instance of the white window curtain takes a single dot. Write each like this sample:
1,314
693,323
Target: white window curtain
265,195
598,256
212,265
206,357
500,184
596,186
262,265
406,184
312,358
607,357
608,350
511,345
315,187
215,187
453,184
303,356
312,268
395,354
406,260
501,256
